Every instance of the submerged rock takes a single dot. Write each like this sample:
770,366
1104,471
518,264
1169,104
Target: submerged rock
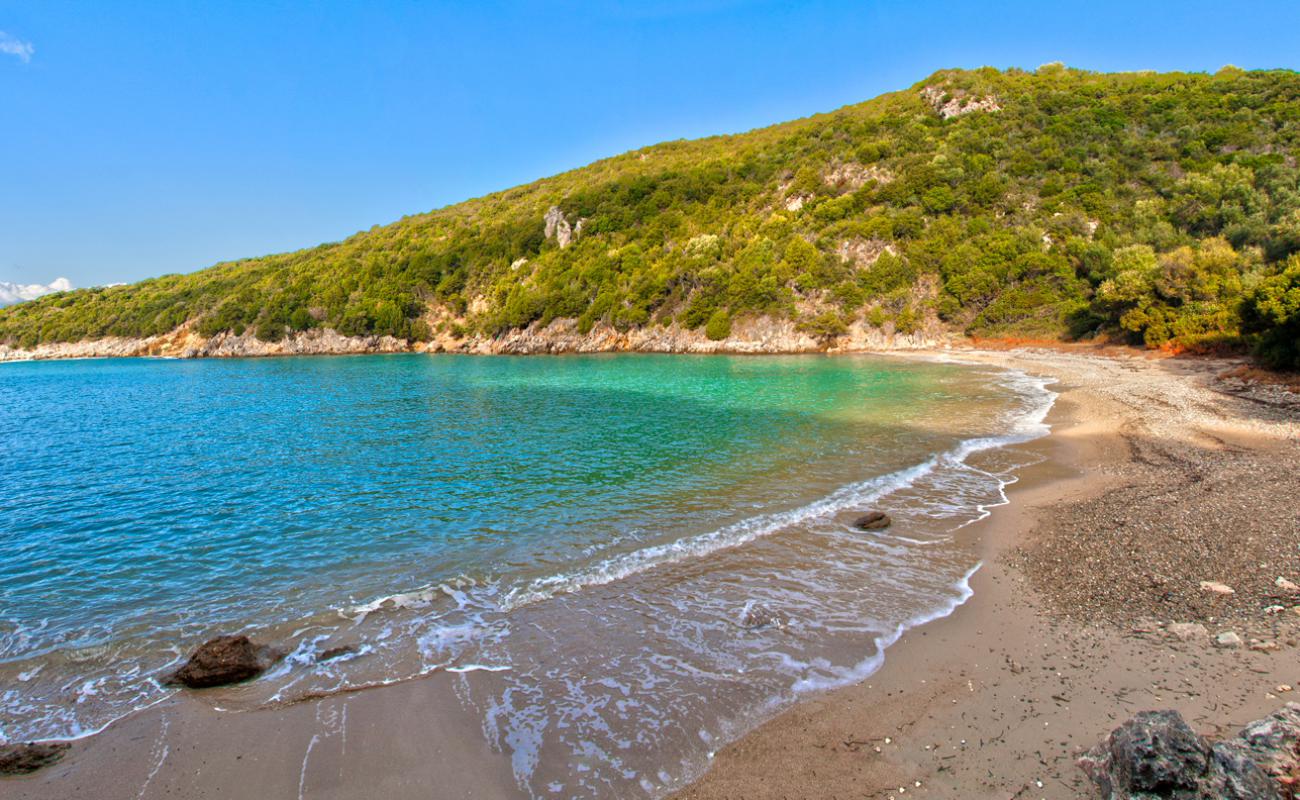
223,660
336,652
757,615
25,757
1157,755
872,521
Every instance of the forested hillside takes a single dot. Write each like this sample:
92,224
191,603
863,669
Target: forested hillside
1159,208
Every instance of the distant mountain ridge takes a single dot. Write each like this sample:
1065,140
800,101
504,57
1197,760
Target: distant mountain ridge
1159,208
11,293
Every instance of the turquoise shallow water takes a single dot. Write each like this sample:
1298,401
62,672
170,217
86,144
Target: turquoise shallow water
583,539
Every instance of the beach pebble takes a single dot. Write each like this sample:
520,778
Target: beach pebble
1283,688
1227,639
1286,585
1188,631
1217,588
1264,646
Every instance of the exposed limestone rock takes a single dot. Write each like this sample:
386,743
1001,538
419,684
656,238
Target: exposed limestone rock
951,103
186,343
558,228
796,202
223,660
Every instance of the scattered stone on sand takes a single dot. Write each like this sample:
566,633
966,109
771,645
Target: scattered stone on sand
1188,631
332,653
1264,645
1227,639
1157,755
757,615
24,757
1286,585
1283,688
224,660
872,521
1217,588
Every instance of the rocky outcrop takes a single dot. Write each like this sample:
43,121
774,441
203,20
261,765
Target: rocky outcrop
24,757
559,229
1157,755
224,660
184,342
949,103
758,335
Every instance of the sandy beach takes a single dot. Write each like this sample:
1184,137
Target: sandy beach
1157,479
1158,476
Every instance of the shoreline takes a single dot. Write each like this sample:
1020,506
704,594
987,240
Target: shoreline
997,699
779,758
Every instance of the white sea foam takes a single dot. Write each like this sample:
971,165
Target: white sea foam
1028,424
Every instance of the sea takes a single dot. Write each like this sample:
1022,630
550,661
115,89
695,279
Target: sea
628,561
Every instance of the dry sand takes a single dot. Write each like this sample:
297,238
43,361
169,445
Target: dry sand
1156,479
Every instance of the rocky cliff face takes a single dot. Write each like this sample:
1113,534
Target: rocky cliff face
762,335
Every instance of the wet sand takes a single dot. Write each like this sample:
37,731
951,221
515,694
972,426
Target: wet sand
990,702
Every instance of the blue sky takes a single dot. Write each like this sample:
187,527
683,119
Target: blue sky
146,138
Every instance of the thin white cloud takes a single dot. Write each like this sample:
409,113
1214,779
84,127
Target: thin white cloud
11,293
13,46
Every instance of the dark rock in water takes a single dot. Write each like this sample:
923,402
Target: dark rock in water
1157,755
22,758
872,521
757,615
336,652
223,660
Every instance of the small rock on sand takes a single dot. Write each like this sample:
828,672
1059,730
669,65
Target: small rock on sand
1217,588
223,660
1227,639
24,757
1188,631
1286,585
872,521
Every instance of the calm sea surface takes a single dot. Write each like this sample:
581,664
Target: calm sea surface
628,560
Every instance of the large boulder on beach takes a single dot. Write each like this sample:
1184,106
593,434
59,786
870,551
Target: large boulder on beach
1156,755
24,757
872,521
223,660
